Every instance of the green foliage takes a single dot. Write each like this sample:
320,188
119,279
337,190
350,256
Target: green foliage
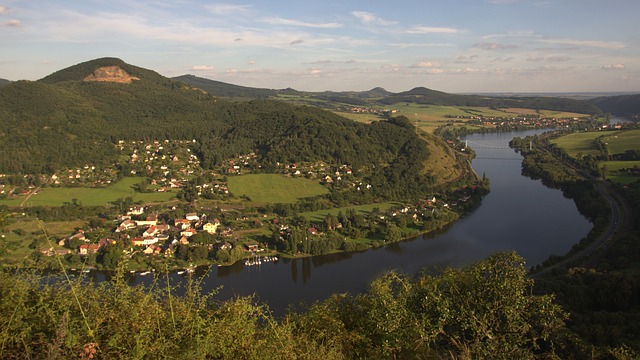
483,311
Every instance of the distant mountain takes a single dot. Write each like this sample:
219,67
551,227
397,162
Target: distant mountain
4,82
422,95
623,105
222,89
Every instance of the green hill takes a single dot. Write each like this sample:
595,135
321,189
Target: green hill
623,105
218,88
75,117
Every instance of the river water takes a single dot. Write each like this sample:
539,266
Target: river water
518,214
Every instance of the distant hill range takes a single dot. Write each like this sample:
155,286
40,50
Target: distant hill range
4,82
381,97
623,105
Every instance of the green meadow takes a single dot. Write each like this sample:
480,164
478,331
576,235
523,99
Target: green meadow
320,215
579,143
621,141
273,188
616,171
91,196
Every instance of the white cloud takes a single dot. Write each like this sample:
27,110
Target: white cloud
423,64
202,67
281,21
4,10
369,18
612,67
228,9
12,23
432,30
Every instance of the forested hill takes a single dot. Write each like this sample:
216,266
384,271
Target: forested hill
623,105
222,89
75,117
4,82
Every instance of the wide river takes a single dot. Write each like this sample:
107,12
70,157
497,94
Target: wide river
518,214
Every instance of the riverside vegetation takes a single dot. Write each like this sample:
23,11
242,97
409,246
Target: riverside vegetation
487,310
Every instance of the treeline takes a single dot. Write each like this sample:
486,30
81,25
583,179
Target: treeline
482,311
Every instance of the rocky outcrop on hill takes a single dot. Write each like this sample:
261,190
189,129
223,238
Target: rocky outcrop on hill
111,74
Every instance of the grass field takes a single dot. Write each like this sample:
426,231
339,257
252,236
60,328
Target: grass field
318,216
272,188
620,141
90,196
615,171
579,143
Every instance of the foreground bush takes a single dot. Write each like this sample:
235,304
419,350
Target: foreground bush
483,311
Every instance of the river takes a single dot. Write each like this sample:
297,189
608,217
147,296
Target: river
518,214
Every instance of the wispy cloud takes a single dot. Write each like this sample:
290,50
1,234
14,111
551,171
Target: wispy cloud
548,58
432,30
296,42
466,59
369,18
612,45
4,10
503,2
228,9
612,67
291,22
494,46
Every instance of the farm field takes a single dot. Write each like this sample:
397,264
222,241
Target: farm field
90,196
273,188
318,216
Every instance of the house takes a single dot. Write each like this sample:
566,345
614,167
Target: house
149,249
78,236
184,241
136,210
188,232
126,225
151,230
148,221
211,227
136,241
181,224
86,249
252,247
148,240
312,231
225,246
192,217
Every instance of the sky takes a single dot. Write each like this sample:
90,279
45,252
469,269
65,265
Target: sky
456,46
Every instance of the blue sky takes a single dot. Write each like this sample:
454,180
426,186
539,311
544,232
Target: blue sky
453,46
